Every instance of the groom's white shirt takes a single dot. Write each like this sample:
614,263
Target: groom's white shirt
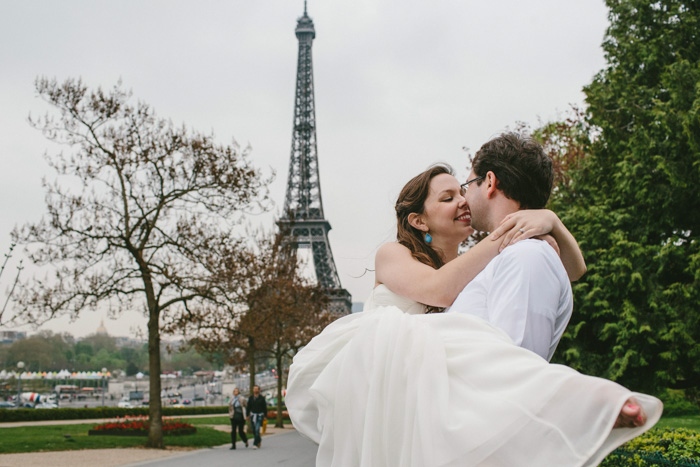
524,291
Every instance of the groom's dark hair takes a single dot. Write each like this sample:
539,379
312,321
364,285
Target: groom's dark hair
523,169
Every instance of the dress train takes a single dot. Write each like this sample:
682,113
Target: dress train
391,386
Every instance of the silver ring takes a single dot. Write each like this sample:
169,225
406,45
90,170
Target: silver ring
521,231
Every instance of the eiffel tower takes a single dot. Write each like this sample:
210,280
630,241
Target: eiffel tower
303,221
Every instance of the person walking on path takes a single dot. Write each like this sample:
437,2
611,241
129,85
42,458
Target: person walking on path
257,411
237,414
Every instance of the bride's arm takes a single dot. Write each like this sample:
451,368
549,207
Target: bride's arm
405,275
536,222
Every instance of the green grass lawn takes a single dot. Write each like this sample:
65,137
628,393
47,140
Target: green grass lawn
691,422
72,437
214,420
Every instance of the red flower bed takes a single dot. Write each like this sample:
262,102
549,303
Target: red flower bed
138,426
273,414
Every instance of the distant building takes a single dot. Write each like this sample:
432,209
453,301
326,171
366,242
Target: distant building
101,329
8,337
128,342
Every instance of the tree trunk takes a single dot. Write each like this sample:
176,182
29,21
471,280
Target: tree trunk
155,410
279,423
251,364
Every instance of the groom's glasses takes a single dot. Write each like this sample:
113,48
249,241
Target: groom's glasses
465,185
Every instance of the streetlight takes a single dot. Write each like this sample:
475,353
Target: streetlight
20,365
104,374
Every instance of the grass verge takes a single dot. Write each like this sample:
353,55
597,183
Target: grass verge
690,422
73,437
38,438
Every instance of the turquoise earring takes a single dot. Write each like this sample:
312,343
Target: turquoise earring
428,238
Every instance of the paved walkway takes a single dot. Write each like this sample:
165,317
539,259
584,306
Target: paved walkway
286,448
280,446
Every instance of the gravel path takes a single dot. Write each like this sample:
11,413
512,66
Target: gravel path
85,458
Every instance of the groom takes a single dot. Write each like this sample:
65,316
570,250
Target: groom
525,290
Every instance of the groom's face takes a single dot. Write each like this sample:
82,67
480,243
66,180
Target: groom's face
475,195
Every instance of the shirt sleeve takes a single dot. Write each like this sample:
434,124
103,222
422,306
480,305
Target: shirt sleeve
524,298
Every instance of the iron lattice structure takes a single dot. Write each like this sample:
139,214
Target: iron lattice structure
303,222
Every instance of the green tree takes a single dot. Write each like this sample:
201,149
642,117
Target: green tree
44,351
143,211
136,359
131,369
188,361
100,341
106,359
633,201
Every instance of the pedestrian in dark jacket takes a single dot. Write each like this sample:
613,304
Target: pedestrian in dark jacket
257,412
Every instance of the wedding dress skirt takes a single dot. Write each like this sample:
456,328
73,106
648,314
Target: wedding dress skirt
391,386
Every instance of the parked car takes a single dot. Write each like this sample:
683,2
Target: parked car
46,405
7,405
125,405
186,402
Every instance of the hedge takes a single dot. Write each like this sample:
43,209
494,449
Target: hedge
658,447
35,415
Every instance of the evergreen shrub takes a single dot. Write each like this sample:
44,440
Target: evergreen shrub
658,447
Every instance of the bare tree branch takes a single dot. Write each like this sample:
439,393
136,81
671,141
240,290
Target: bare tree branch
142,211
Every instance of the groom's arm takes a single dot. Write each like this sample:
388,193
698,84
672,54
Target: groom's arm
530,296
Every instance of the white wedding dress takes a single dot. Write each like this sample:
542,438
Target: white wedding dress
392,386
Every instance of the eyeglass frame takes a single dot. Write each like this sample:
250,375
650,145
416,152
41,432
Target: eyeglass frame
465,185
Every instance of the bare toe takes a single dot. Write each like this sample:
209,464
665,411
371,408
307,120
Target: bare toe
631,415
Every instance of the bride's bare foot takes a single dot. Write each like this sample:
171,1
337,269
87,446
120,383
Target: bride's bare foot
631,415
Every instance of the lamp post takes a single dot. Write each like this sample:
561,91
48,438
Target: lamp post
104,375
20,366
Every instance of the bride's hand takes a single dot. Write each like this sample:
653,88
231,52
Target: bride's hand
524,224
552,242
533,222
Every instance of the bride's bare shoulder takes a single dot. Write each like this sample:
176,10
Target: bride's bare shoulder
389,257
391,249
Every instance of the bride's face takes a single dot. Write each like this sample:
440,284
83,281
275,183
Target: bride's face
446,212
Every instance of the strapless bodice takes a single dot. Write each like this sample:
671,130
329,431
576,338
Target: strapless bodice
382,296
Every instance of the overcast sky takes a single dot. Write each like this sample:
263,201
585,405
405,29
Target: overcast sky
400,84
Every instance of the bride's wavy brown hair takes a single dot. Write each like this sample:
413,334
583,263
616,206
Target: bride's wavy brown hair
412,199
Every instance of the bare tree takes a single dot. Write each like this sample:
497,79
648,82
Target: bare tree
285,314
142,212
277,312
8,255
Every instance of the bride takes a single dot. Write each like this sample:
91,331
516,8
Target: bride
397,385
